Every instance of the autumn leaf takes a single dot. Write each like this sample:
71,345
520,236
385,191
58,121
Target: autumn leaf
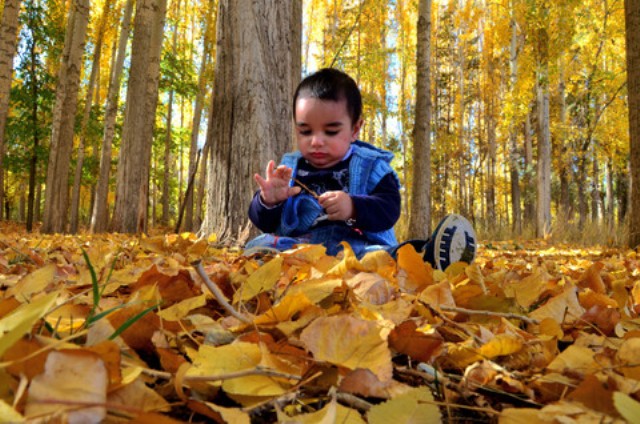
416,406
349,342
73,381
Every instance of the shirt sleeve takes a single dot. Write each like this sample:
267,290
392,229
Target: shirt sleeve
379,210
265,218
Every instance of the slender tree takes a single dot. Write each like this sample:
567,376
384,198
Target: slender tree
420,221
56,204
632,21
8,42
543,204
88,104
100,215
134,162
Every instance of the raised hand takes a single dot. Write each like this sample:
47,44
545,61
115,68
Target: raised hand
338,204
275,188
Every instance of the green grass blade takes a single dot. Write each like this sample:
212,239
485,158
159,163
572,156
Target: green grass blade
94,281
128,323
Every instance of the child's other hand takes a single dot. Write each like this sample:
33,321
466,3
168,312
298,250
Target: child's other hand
338,204
275,188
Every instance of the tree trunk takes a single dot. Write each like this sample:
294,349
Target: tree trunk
8,43
563,172
529,188
420,217
197,116
56,203
252,95
632,21
168,164
168,139
88,104
100,215
543,177
514,168
33,163
132,183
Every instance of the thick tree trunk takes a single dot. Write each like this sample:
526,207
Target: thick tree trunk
420,217
56,204
132,186
100,215
514,168
88,104
632,20
563,172
255,55
8,43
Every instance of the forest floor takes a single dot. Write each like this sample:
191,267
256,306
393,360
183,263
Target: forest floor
113,328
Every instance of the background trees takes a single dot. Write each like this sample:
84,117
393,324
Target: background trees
529,121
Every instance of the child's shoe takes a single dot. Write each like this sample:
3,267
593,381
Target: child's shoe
453,240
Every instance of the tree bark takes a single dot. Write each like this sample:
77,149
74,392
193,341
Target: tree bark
420,217
132,183
88,104
8,43
543,203
254,77
197,117
56,204
100,215
514,168
632,21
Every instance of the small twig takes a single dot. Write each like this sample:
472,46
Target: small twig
228,376
244,373
490,314
454,324
354,401
311,192
218,294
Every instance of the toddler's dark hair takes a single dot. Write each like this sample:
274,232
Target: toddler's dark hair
331,84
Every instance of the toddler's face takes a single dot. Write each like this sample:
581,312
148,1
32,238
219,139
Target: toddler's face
324,130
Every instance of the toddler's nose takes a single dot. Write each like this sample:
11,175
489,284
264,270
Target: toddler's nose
316,140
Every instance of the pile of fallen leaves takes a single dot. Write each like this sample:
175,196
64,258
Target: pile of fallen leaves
161,329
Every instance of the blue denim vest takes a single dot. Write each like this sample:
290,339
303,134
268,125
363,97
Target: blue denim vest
367,167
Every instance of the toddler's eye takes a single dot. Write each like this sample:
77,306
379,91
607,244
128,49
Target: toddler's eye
331,133
304,132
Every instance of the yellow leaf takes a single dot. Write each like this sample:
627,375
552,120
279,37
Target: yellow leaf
263,278
137,395
317,290
288,306
73,378
562,308
629,355
8,414
349,342
462,354
414,407
349,262
380,262
528,290
550,327
521,416
32,283
576,359
230,415
501,345
239,356
19,322
418,273
182,309
627,407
